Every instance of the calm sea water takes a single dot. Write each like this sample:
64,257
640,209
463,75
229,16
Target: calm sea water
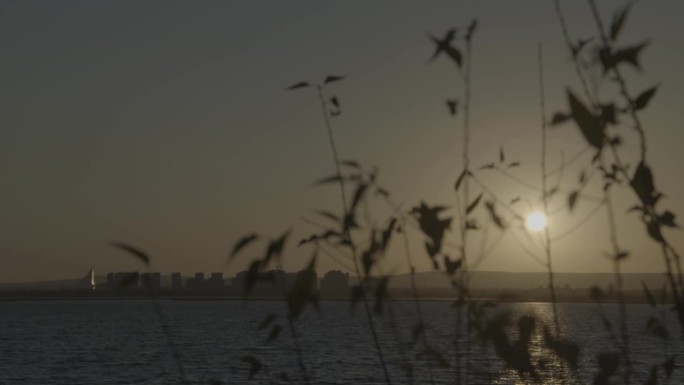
123,342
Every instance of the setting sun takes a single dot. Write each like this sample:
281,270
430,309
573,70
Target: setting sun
536,221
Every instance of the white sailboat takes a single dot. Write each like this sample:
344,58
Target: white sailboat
87,282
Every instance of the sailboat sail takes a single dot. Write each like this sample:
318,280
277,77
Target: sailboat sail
87,282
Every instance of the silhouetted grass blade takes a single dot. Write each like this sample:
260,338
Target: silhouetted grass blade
657,329
128,281
358,195
266,321
608,364
649,295
452,266
328,214
669,366
471,30
566,350
618,21
357,293
275,248
275,333
255,365
330,179
460,179
387,234
596,293
302,289
621,255
350,163
381,294
642,100
297,86
242,243
139,254
559,118
382,192
255,274
653,376
572,200
436,357
333,78
498,221
473,204
608,113
452,105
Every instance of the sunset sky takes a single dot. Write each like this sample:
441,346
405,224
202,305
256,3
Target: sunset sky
165,125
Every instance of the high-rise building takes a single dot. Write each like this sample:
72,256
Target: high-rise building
126,281
335,284
176,282
215,282
150,282
111,283
196,284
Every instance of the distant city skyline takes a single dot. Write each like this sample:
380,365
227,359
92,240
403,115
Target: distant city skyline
480,280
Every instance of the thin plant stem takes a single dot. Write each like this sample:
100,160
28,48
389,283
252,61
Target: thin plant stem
545,200
298,350
580,223
369,316
677,260
402,351
624,332
295,338
462,375
169,339
412,274
333,148
572,160
571,48
622,83
466,192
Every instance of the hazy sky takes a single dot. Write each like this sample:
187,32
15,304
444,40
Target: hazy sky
164,124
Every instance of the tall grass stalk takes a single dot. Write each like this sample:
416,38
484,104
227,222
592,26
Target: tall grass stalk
624,331
298,350
466,187
545,196
412,276
347,235
651,217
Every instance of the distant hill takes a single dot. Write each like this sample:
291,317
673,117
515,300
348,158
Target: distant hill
488,280
61,284
524,281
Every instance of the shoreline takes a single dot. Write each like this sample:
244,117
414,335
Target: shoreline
201,298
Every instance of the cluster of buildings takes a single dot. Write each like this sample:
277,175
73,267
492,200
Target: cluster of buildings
133,281
334,284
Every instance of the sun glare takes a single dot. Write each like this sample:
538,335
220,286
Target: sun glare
536,221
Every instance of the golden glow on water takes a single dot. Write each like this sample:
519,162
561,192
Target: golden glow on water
536,221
